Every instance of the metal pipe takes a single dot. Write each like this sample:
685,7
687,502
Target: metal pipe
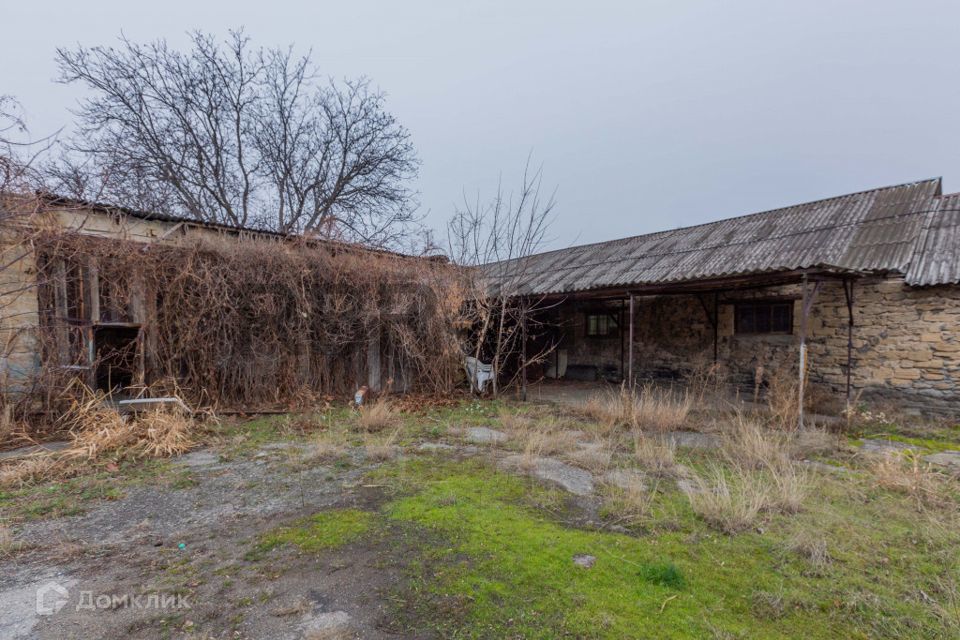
848,293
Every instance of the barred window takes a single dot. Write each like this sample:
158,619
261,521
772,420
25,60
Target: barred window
763,317
602,325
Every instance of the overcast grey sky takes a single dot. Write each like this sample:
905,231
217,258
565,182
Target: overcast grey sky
645,115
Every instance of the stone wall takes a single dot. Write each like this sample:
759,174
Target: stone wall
906,341
19,357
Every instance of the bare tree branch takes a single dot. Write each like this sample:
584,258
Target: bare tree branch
496,238
229,133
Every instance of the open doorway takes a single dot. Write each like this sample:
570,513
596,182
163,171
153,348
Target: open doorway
117,351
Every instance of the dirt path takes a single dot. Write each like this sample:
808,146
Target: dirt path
106,572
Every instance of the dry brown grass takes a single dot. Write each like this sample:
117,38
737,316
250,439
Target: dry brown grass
812,547
728,502
97,429
650,408
604,410
656,455
327,446
631,503
153,434
812,441
164,433
382,449
946,605
513,421
782,398
905,473
547,435
751,447
7,543
731,497
749,443
377,416
789,486
595,456
706,379
17,473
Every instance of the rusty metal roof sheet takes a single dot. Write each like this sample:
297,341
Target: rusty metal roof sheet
876,231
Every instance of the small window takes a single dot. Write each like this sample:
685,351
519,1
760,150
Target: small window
602,325
763,317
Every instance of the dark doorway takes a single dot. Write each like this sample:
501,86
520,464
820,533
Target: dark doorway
117,352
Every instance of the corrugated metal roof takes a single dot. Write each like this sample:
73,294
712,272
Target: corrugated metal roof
937,258
869,231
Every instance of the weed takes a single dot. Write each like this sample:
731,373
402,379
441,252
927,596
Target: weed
327,447
810,545
730,504
664,574
7,543
655,455
748,443
651,408
381,449
28,470
377,416
904,473
789,485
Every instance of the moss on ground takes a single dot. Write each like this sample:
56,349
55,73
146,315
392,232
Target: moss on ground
506,567
319,532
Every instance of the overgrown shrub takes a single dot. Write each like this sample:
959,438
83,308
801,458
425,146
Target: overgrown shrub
246,320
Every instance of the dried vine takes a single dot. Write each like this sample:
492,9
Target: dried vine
254,320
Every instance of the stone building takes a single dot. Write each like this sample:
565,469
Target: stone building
861,288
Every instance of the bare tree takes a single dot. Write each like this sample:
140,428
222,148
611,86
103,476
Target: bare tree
495,239
18,153
229,133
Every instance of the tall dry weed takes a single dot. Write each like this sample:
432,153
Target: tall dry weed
728,502
656,455
381,449
97,429
377,416
27,470
649,408
907,474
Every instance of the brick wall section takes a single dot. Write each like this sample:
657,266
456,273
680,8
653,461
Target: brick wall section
906,340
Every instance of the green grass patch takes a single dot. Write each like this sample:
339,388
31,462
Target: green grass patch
665,574
504,566
319,532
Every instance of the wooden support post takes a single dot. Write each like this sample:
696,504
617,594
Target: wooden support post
716,327
713,317
93,290
848,294
60,327
523,354
806,305
623,376
373,360
630,347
